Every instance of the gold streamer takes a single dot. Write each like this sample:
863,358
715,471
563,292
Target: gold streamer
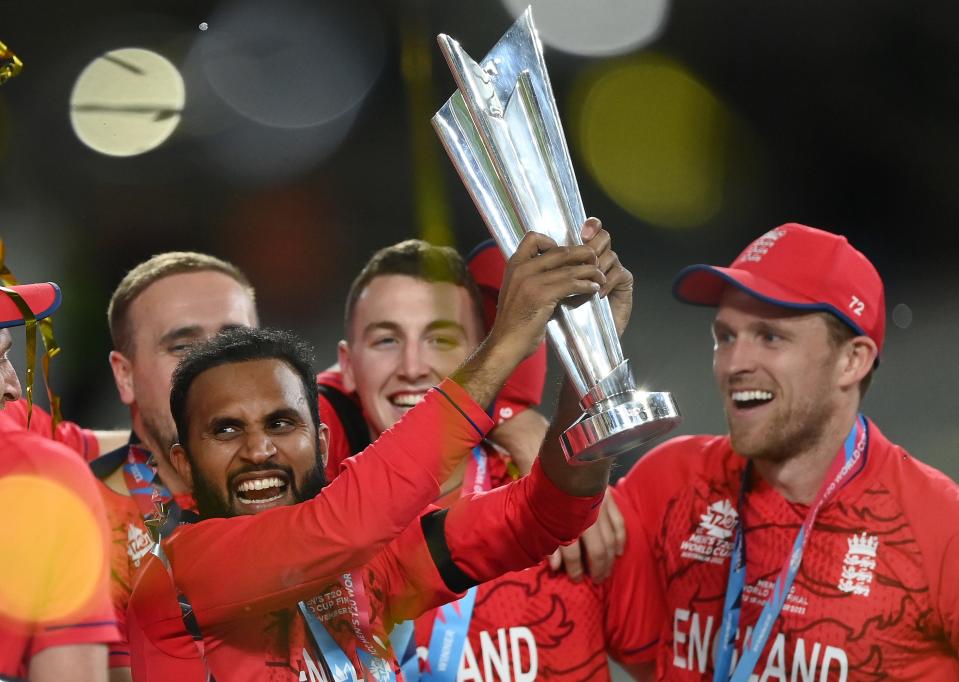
10,65
50,346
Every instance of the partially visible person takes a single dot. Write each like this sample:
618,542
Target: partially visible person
413,314
803,545
252,447
55,613
158,312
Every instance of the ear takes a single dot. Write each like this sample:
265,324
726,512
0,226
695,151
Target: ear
346,365
857,357
123,376
181,463
323,438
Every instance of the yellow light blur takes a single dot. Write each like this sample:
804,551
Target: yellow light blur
47,529
654,138
127,102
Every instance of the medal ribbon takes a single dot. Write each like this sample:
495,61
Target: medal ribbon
151,496
848,462
452,622
372,656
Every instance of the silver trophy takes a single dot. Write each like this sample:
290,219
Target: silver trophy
501,128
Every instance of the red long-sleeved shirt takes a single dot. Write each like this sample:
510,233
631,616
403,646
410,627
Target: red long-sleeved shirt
244,575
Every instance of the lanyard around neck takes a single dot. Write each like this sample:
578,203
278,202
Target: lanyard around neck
848,462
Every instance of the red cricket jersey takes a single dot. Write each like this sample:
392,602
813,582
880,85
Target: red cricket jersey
876,596
74,437
244,575
52,524
130,543
532,624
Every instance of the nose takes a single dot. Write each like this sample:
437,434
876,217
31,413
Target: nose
413,365
11,383
735,357
259,448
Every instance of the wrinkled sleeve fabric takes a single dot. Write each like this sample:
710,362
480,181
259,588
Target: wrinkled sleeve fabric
276,558
80,440
480,537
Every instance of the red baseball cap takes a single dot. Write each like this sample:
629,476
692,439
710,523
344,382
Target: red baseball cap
799,267
43,299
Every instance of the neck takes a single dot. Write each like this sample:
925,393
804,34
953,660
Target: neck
171,479
799,476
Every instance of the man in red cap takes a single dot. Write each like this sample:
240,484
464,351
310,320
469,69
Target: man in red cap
55,611
803,545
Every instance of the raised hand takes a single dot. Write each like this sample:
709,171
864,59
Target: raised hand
618,286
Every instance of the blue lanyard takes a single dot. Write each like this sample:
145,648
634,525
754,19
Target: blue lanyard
843,469
452,623
334,658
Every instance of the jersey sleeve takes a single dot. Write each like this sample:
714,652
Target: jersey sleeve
633,602
287,554
64,567
480,537
80,440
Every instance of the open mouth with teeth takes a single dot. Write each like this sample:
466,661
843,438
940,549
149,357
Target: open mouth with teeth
261,490
745,400
406,400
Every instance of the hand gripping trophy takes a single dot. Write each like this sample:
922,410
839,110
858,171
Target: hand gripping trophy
502,131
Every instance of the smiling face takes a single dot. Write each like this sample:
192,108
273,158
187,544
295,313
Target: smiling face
778,373
166,320
406,335
251,443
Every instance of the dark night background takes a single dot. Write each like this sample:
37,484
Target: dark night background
734,118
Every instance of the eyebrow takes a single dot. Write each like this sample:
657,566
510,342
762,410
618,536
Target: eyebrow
180,333
193,331
432,326
285,413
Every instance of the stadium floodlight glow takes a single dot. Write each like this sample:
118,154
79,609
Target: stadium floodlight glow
127,102
595,28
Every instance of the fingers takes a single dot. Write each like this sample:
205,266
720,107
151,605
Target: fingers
616,523
573,561
532,244
600,552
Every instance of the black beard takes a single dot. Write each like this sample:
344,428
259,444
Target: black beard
212,504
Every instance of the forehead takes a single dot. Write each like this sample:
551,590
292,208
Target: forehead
736,304
246,389
207,299
6,338
409,302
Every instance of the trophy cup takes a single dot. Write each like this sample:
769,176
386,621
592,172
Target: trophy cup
502,131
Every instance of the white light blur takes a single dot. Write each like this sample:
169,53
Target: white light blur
291,63
595,28
902,316
127,102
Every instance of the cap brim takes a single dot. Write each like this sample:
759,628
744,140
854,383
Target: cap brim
704,285
43,299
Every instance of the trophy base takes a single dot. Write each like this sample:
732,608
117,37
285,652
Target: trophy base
638,419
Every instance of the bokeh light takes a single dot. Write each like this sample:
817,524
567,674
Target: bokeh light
292,63
46,527
654,138
595,28
902,316
127,102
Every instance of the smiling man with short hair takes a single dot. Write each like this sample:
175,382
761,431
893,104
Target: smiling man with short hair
803,544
